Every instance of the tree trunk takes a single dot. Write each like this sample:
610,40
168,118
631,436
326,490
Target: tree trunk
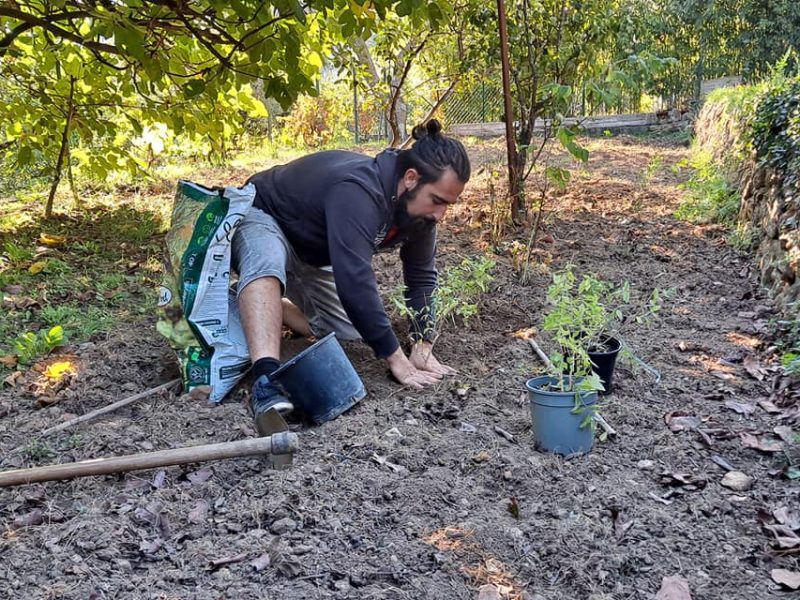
48,209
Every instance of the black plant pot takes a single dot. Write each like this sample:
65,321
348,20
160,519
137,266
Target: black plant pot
604,357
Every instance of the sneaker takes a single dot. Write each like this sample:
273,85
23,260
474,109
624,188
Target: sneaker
269,402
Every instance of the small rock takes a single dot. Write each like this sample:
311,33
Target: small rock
488,592
342,585
737,481
467,428
223,574
394,432
282,526
645,465
124,565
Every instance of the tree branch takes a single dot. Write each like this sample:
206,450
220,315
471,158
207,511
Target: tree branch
32,21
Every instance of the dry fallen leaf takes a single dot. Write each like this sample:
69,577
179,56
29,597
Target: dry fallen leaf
13,378
198,512
260,563
488,592
790,579
753,367
151,547
201,392
762,445
674,588
31,519
679,420
50,240
159,479
743,408
785,517
9,361
785,433
37,267
200,476
769,406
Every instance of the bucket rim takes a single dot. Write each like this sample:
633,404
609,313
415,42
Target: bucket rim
608,339
292,362
532,383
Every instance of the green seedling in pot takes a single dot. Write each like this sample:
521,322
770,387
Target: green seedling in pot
585,316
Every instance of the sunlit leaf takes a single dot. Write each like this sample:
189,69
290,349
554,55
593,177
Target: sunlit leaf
58,370
37,267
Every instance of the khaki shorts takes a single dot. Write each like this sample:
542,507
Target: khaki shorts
260,249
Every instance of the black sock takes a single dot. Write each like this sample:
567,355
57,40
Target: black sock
265,366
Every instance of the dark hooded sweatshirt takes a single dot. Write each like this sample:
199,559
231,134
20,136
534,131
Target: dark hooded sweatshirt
340,208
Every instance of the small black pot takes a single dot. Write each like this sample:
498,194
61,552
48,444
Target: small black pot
603,362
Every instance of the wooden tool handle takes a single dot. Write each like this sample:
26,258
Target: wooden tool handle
279,443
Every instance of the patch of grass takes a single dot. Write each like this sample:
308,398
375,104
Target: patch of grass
37,450
742,239
103,275
16,254
79,321
711,199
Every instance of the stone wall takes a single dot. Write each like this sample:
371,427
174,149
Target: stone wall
768,205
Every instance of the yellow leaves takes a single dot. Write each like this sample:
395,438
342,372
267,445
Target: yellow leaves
58,370
315,59
37,267
51,241
364,10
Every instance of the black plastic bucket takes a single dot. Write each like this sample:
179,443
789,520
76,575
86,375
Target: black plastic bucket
321,381
603,363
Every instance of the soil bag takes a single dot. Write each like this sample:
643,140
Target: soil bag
197,311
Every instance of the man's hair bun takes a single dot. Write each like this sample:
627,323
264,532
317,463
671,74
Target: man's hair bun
431,128
433,152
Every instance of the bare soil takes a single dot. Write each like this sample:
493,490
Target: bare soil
435,494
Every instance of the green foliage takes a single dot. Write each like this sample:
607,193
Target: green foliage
708,40
456,298
316,121
791,363
711,198
651,170
461,287
582,314
30,346
576,310
775,129
37,450
110,89
16,254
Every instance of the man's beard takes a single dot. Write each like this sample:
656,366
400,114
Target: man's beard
403,220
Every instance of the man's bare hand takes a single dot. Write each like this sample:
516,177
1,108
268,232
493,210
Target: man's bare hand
423,359
407,374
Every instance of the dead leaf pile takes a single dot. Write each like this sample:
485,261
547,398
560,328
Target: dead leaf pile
783,526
